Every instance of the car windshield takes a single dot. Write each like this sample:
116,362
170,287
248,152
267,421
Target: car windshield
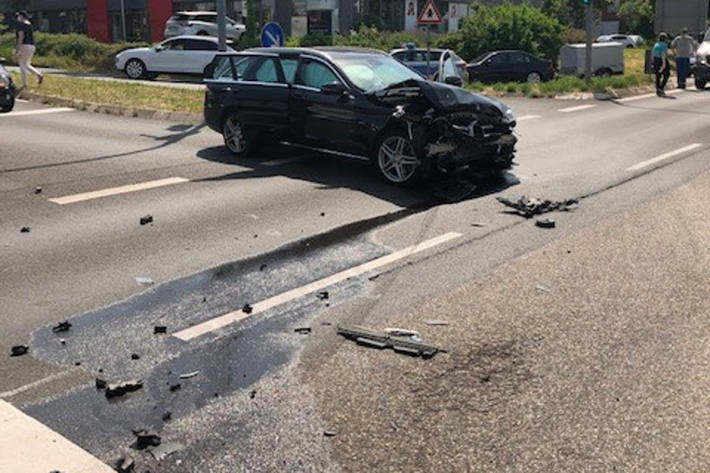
370,72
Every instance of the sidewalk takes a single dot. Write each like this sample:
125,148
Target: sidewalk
589,354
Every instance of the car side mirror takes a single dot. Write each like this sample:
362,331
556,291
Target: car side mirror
334,88
453,80
159,48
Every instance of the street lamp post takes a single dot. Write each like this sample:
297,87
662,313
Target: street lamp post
123,20
222,25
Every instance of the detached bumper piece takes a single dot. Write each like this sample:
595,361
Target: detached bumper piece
370,338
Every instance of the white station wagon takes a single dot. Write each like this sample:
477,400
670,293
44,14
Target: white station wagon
179,55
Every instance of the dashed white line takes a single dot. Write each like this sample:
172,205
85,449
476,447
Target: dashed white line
39,382
576,109
31,447
43,111
70,199
664,156
528,117
646,96
262,306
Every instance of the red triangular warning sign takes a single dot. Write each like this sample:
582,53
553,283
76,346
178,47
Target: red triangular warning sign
430,14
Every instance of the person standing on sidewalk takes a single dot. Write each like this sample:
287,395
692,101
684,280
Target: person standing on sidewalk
660,64
25,49
684,46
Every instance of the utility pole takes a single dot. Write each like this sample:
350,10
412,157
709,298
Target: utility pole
222,25
123,20
590,32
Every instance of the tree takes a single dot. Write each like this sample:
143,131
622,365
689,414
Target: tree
638,16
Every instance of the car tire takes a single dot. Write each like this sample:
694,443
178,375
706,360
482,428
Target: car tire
700,83
135,69
7,101
603,72
533,78
235,138
396,159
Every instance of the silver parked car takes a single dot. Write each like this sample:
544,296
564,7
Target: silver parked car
200,23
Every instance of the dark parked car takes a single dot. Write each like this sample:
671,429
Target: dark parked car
7,89
510,66
360,104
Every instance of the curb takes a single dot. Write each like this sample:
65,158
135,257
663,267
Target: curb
132,112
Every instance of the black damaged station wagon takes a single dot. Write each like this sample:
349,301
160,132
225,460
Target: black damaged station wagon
361,104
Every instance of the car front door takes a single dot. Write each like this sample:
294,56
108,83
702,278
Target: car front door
198,54
169,57
520,66
323,109
448,70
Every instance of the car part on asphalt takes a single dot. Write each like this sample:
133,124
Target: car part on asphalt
323,295
144,281
146,220
125,465
436,322
302,330
25,230
545,223
175,387
529,207
373,339
19,350
329,433
191,374
146,438
247,309
122,387
61,327
135,356
541,288
38,190
161,451
160,329
401,332
100,383
167,416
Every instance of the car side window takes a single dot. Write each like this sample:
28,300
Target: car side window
289,67
223,69
519,58
200,45
498,59
266,71
315,74
175,45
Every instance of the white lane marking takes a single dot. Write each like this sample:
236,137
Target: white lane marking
70,199
635,97
31,447
262,306
43,111
279,162
576,109
528,117
39,382
22,101
662,157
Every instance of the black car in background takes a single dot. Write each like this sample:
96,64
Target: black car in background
510,66
360,104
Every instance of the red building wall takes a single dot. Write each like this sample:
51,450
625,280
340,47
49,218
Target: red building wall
97,20
158,13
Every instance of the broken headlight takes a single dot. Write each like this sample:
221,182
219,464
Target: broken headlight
509,115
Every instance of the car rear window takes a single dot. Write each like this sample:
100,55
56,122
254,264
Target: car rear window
206,18
246,68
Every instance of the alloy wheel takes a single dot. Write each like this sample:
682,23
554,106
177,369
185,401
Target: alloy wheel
234,136
397,160
134,69
534,78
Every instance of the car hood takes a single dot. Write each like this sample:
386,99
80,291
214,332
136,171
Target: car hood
133,51
442,97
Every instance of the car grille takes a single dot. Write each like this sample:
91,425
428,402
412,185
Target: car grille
480,127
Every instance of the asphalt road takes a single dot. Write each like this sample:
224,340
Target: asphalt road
229,232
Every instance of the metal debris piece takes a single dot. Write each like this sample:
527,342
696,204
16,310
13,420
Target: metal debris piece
303,330
146,438
436,322
62,341
478,224
401,332
38,190
545,223
323,295
167,416
61,327
247,309
100,383
144,281
146,220
164,449
542,288
175,387
160,329
19,350
529,207
329,433
191,374
371,338
125,465
123,387
25,230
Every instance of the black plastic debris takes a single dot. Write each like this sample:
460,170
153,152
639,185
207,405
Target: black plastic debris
62,341
303,330
38,190
61,327
125,465
167,416
19,350
545,223
100,383
204,299
329,433
25,230
145,220
175,387
323,295
262,267
252,394
77,363
247,309
322,214
146,438
370,338
122,387
529,207
160,329
135,356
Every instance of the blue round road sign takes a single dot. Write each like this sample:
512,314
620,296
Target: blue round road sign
272,35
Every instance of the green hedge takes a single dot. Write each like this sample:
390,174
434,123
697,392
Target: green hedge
72,52
367,37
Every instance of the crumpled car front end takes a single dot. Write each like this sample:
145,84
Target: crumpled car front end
455,132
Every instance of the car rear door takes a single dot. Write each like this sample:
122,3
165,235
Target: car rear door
198,54
252,86
322,119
